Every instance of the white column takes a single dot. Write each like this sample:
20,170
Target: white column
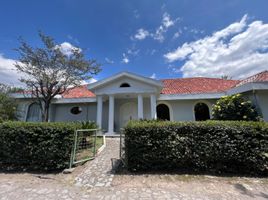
111,114
140,107
153,106
99,111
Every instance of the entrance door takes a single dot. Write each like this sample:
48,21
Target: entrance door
128,111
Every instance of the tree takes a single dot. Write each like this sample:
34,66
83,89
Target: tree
226,77
7,89
235,107
48,71
8,105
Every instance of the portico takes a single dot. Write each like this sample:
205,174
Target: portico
125,94
130,113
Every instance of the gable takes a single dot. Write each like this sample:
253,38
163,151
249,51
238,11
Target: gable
138,84
135,86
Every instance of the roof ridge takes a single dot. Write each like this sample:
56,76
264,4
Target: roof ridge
198,78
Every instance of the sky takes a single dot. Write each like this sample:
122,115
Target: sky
157,39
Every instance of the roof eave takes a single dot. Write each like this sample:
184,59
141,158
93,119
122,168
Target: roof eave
191,96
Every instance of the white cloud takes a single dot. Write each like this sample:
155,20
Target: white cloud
153,76
85,82
158,34
125,59
239,50
8,72
177,34
166,21
92,80
136,14
109,61
141,34
67,48
196,31
133,51
163,28
153,51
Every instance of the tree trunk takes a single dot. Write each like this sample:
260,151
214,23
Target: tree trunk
46,111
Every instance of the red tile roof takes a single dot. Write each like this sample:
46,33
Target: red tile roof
260,77
78,92
183,86
196,85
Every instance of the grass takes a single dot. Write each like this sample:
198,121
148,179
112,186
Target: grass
88,150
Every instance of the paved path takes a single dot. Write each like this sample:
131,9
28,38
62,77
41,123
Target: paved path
95,180
99,173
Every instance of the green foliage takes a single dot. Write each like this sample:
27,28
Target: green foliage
8,108
88,125
49,70
235,107
8,105
210,147
7,89
38,146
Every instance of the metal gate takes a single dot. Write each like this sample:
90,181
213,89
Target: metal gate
84,146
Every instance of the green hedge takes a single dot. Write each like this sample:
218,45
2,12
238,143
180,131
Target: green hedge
38,146
212,146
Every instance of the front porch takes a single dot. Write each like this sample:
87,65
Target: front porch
114,111
124,97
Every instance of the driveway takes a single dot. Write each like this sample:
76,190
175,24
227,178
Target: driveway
96,180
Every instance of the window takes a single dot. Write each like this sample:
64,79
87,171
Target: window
163,112
34,113
201,112
124,85
76,110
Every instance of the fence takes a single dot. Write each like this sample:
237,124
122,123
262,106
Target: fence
84,146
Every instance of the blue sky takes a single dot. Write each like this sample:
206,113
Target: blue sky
162,39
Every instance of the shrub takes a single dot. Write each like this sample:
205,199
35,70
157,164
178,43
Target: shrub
8,107
212,146
37,146
235,107
88,125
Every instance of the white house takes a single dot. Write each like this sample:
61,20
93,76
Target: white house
113,101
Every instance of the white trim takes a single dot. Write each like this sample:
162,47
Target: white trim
171,116
99,111
209,105
153,106
21,96
248,87
140,106
75,100
163,97
111,114
125,74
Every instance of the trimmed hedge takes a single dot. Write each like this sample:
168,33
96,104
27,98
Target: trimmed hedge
206,147
36,146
